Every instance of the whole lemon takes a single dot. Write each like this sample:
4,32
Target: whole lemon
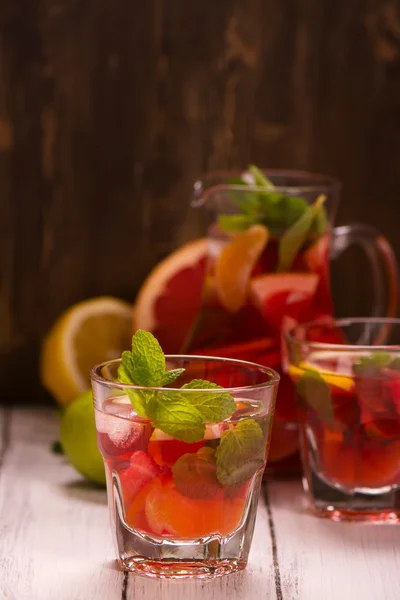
78,438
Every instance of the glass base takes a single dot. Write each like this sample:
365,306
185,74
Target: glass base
330,503
179,558
173,569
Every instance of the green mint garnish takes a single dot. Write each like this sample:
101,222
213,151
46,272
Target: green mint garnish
314,390
174,414
213,407
260,180
145,364
241,453
170,376
182,415
289,218
368,366
295,237
395,364
195,475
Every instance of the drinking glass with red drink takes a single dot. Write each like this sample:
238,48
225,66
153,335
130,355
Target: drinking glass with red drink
185,441
347,379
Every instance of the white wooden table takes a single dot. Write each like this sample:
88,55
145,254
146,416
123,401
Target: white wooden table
55,542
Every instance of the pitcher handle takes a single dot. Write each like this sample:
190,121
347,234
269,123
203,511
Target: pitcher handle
380,254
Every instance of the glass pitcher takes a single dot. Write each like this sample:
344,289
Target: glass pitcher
270,241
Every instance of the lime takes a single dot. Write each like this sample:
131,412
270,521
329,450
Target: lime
78,438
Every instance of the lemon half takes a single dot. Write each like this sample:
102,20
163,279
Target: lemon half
88,333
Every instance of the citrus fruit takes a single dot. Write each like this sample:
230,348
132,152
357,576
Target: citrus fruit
170,297
283,294
86,334
235,264
169,511
320,361
78,439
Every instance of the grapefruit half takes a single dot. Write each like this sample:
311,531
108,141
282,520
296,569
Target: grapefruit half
170,297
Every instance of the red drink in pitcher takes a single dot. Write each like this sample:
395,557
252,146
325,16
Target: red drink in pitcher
263,268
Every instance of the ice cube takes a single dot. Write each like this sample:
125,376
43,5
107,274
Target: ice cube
119,434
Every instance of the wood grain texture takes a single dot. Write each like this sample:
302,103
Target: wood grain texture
109,111
55,540
322,560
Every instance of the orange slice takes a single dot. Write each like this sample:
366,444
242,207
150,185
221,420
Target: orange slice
170,297
169,511
235,264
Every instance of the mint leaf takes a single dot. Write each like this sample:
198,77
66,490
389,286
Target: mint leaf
241,453
259,178
247,201
195,475
281,211
314,390
180,414
126,372
170,376
126,368
212,407
176,416
138,400
148,359
294,238
395,364
368,366
275,210
235,223
320,223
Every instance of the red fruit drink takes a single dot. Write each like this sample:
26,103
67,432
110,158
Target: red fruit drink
349,412
169,488
273,302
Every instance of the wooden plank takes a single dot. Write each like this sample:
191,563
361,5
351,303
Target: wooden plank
110,110
55,540
323,560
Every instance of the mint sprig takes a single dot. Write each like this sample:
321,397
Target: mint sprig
213,407
295,237
181,414
287,217
241,453
195,474
176,416
368,366
145,364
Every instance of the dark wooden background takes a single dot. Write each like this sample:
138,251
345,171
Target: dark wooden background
109,110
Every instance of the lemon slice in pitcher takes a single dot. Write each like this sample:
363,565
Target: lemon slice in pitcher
335,367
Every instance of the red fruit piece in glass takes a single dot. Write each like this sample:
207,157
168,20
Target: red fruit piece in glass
141,471
284,294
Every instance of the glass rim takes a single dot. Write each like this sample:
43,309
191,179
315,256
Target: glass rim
386,323
273,376
323,183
